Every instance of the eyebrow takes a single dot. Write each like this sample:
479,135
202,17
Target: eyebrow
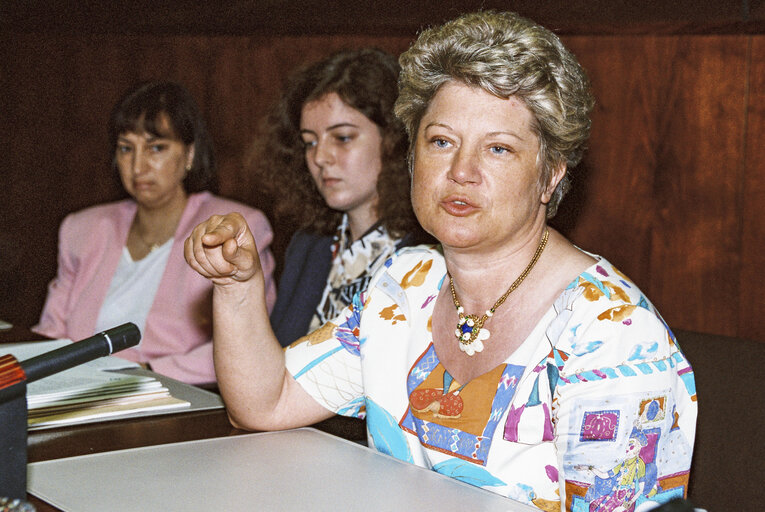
150,138
329,128
442,125
490,134
511,134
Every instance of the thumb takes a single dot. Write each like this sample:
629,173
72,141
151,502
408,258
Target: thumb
241,258
231,250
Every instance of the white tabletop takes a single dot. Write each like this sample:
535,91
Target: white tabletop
294,470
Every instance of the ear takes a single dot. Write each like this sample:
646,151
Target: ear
189,156
558,172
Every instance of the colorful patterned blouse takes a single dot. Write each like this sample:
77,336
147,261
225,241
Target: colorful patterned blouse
595,410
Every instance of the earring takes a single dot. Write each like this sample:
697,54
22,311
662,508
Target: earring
188,167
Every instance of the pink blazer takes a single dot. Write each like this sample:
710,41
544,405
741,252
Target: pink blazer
177,338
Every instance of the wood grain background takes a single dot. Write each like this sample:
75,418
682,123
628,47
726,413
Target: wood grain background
672,189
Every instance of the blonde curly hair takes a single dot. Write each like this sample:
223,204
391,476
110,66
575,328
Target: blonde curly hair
505,55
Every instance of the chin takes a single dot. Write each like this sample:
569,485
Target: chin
453,234
455,239
338,206
336,201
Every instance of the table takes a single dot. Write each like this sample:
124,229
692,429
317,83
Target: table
293,470
135,432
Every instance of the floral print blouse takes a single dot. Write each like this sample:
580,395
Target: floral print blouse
595,411
353,264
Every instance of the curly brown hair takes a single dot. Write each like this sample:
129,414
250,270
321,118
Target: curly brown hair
366,80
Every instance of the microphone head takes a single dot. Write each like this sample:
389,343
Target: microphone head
123,336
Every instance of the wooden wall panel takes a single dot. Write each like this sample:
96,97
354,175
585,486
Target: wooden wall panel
751,321
671,191
311,17
661,198
696,237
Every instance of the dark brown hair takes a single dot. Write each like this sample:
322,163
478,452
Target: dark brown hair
365,80
147,107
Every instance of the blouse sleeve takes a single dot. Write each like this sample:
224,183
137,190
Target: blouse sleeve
624,409
326,362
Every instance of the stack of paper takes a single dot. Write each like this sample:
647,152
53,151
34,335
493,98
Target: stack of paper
88,391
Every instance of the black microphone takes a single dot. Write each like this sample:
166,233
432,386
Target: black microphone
14,377
102,344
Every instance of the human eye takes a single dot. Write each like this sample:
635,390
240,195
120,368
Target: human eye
500,149
308,144
158,147
440,142
123,149
344,138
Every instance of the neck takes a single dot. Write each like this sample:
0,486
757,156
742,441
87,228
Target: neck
480,278
156,225
359,222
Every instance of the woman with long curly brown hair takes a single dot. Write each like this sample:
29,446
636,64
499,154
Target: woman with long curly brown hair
333,156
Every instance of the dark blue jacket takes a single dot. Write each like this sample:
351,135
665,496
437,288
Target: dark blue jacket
306,267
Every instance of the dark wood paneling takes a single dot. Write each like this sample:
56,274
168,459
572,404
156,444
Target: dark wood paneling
279,17
757,11
751,321
671,191
661,194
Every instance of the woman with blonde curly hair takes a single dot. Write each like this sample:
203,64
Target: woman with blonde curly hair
506,356
333,157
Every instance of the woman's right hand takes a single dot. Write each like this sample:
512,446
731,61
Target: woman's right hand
223,249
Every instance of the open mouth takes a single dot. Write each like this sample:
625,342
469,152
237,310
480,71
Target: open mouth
458,206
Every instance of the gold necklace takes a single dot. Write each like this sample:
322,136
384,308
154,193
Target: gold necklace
175,214
470,331
151,246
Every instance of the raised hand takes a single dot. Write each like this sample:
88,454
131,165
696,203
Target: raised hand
223,249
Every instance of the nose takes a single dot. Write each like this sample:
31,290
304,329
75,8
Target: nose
139,163
322,153
464,168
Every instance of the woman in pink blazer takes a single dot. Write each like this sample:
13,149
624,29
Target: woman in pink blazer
123,261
